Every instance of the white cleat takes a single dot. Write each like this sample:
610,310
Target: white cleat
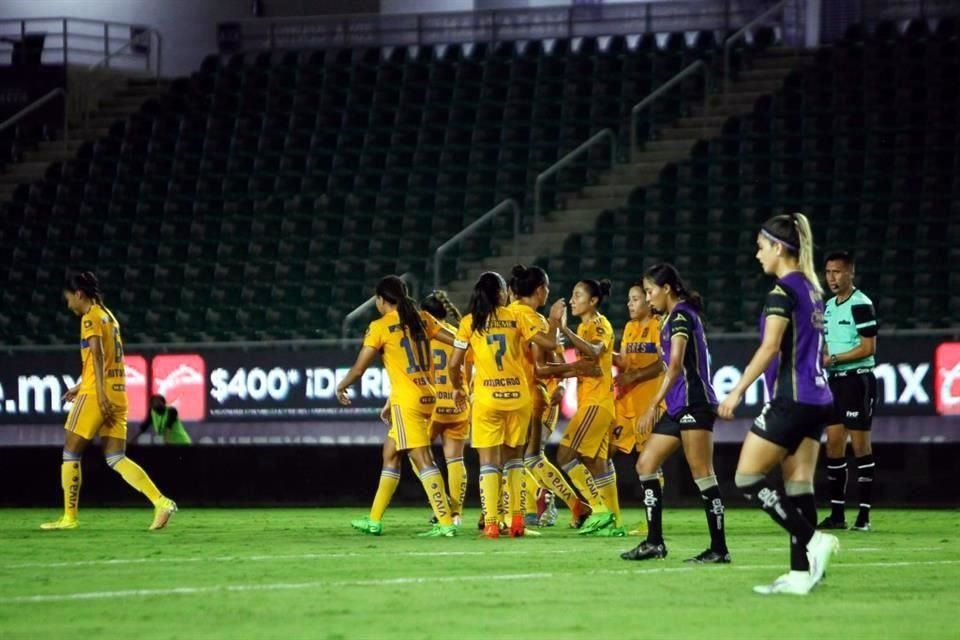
796,583
820,550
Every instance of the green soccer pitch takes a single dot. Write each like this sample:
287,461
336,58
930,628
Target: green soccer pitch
304,573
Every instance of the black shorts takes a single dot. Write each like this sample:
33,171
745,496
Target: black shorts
700,417
787,423
854,398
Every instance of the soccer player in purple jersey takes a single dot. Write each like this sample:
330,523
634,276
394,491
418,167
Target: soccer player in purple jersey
688,421
787,432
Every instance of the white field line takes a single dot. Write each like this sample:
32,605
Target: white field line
385,582
355,554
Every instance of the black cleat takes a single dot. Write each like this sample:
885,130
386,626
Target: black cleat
646,551
710,557
861,526
829,523
433,520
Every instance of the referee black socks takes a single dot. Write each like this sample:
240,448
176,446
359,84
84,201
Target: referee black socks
865,469
837,478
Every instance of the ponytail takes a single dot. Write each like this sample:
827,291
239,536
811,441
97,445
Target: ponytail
439,305
805,256
394,290
485,299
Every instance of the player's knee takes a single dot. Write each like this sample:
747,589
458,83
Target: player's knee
113,459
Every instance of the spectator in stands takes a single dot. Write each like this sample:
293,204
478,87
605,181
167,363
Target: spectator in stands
851,342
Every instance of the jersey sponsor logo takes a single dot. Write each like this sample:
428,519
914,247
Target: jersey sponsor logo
181,379
947,383
87,324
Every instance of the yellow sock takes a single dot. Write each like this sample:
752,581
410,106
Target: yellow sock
551,479
70,478
607,486
432,482
531,489
489,492
389,479
515,480
135,476
584,482
504,507
457,478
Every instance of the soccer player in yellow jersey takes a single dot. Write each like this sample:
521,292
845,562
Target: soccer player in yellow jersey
584,449
640,372
402,337
500,416
451,422
530,288
99,405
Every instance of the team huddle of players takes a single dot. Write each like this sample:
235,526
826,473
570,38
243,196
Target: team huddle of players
496,377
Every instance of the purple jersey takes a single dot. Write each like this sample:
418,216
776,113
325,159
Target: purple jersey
694,387
797,373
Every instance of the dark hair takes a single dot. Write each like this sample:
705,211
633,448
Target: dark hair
793,232
599,290
438,305
485,299
394,290
525,280
665,273
840,256
86,282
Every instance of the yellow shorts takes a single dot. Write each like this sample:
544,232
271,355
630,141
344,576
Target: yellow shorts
409,428
459,430
86,421
495,427
625,434
589,431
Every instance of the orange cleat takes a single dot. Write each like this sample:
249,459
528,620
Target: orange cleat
581,511
517,527
491,530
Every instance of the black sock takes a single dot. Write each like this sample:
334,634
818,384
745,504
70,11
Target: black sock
783,512
653,501
713,507
837,476
865,469
807,507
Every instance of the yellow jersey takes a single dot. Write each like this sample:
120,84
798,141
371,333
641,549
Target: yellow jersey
99,322
446,410
499,379
598,391
534,318
639,348
411,385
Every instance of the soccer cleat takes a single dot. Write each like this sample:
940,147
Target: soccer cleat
861,525
820,549
542,495
367,525
482,523
579,514
531,520
646,551
548,517
596,522
829,523
710,557
162,512
797,583
457,520
433,520
439,531
491,531
608,532
63,523
517,527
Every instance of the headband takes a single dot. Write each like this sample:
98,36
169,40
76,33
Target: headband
769,236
